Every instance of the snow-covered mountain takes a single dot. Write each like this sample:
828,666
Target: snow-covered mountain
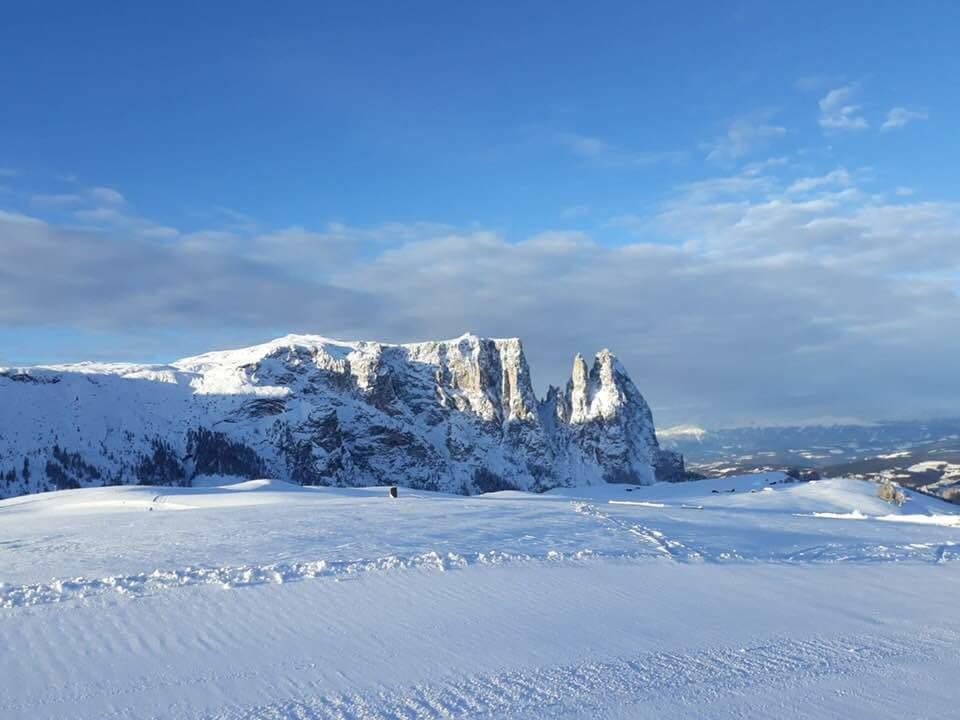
457,415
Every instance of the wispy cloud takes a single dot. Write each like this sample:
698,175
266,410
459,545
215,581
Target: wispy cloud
838,112
575,211
100,214
56,199
814,83
826,219
238,221
744,135
759,166
158,231
96,196
107,195
899,117
840,177
19,218
118,220
600,152
744,183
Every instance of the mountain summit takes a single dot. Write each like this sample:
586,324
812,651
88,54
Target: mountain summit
456,415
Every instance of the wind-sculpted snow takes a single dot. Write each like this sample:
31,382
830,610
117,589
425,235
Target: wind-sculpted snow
591,689
458,416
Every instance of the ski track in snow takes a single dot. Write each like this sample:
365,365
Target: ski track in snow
828,552
671,548
581,689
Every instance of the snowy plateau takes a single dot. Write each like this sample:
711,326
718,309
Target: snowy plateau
315,595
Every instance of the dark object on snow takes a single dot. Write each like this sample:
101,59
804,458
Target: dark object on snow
802,474
733,489
393,491
714,491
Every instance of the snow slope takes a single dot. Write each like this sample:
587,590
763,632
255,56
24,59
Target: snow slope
456,415
263,599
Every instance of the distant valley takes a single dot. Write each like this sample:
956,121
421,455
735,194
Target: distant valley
924,455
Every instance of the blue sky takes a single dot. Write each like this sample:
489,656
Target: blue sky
754,205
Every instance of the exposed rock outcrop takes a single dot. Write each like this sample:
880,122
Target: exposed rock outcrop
458,415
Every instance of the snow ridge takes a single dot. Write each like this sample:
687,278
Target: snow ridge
143,584
239,576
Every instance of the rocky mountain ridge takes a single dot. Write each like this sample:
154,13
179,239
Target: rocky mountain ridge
458,415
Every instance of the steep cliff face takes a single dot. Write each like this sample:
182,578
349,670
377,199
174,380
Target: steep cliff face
458,415
604,419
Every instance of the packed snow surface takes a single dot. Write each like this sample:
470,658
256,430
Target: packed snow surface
741,597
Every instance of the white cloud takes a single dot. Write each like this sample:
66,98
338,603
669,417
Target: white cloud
837,112
899,117
744,135
809,83
769,297
575,211
759,166
104,208
105,200
236,220
904,191
50,276
100,214
158,231
117,220
747,182
294,247
787,333
56,199
106,195
825,219
816,83
605,154
18,219
840,177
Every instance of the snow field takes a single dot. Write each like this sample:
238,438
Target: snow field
741,597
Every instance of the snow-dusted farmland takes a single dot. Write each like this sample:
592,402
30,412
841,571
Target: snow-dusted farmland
266,600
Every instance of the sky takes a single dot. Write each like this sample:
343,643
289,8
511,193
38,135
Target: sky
755,205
